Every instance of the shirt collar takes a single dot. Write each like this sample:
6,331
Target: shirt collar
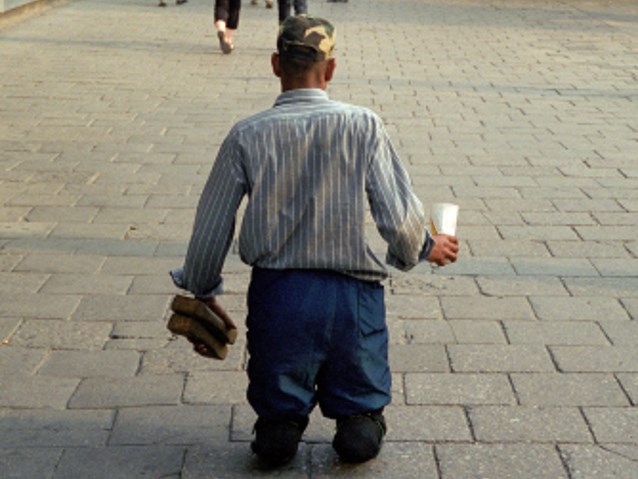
301,95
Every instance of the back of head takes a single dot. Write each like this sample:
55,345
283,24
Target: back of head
304,41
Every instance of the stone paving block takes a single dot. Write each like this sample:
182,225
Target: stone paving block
32,305
87,284
503,461
530,233
602,233
529,424
609,287
554,219
54,428
629,383
92,231
129,215
216,387
166,425
404,306
561,267
29,462
18,360
614,425
510,248
138,266
26,391
617,267
62,214
111,392
427,423
486,308
8,261
621,333
596,358
59,263
61,334
123,462
575,333
7,327
578,309
522,286
499,358
589,249
236,461
106,307
476,331
457,388
565,389
474,266
399,460
431,285
84,363
116,247
17,283
605,461
179,357
140,329
428,331
418,358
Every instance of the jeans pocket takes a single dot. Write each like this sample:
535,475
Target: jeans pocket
371,309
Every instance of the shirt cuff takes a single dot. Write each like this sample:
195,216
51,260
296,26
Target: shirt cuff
177,275
427,247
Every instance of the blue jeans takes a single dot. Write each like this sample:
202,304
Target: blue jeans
316,337
285,6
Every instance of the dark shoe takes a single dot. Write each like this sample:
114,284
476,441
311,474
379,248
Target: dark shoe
276,441
162,3
359,437
181,2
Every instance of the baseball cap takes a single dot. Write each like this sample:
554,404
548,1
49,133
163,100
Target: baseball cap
306,37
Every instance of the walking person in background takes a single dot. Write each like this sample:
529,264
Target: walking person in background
285,7
226,23
256,2
316,324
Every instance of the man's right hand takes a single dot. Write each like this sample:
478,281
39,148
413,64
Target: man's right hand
445,250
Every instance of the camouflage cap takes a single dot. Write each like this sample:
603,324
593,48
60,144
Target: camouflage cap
307,38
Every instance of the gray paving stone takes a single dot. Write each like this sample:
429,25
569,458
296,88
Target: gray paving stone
17,283
106,307
596,358
522,286
98,233
138,266
601,462
87,284
458,388
486,308
529,233
427,423
418,358
614,425
61,334
610,287
33,305
166,425
505,461
8,261
203,387
82,364
403,306
556,332
489,266
29,462
236,461
54,428
617,267
472,331
630,385
124,462
565,389
110,392
578,309
7,327
529,424
589,249
510,248
499,358
621,333
26,391
18,360
428,331
561,267
59,263
403,460
430,285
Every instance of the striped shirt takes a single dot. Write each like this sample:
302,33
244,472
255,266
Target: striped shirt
310,167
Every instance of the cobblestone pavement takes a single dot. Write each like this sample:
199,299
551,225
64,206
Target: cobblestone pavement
520,361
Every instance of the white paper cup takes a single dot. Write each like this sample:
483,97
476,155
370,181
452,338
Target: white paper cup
443,218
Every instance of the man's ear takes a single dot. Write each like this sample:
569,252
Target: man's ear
330,69
276,67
